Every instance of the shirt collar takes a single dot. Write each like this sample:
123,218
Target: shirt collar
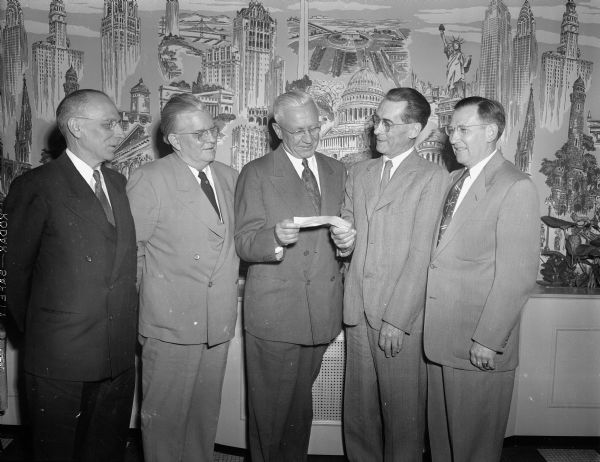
297,162
478,167
397,160
84,169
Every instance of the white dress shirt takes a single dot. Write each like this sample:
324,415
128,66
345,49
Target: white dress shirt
396,161
470,179
87,173
208,173
312,163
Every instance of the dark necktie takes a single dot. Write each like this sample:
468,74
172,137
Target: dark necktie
208,190
450,204
385,178
310,183
102,197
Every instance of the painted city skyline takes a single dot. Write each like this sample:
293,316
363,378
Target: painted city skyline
354,54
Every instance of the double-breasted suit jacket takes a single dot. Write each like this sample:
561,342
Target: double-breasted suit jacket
299,299
483,269
387,274
187,263
71,275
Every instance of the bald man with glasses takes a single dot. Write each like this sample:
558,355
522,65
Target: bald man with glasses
393,203
182,205
71,288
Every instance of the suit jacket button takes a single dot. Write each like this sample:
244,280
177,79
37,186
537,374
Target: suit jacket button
432,266
332,278
308,282
306,253
88,258
210,284
196,257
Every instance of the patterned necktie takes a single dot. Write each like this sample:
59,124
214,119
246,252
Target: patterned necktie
450,203
311,185
210,193
102,197
385,178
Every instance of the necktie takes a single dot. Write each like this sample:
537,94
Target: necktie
385,178
102,197
450,203
310,183
210,193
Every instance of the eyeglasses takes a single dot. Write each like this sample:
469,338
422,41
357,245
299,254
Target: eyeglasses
110,124
312,131
387,124
201,135
462,130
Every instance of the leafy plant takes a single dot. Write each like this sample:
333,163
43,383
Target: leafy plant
579,266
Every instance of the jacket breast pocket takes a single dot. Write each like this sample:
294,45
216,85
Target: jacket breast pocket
476,240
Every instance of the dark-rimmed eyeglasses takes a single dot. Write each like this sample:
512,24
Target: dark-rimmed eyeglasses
313,132
201,135
109,124
461,130
387,124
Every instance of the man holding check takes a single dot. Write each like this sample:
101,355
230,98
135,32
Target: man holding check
293,296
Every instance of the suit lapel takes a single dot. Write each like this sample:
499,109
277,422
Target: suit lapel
401,176
289,186
472,199
121,210
191,195
80,198
371,185
329,204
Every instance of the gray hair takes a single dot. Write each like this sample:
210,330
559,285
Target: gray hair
179,104
292,98
73,105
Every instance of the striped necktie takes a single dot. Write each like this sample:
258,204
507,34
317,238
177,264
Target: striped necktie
102,197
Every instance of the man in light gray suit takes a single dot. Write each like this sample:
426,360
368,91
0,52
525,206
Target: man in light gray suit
482,269
393,203
182,206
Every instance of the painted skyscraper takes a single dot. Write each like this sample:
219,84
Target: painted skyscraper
250,141
303,40
254,35
23,130
525,60
495,61
560,69
172,18
71,81
120,45
524,153
14,55
52,58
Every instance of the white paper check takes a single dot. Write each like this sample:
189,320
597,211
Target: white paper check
309,222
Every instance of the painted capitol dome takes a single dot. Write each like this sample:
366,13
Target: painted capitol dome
349,140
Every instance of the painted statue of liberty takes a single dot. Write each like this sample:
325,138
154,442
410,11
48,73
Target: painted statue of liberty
457,66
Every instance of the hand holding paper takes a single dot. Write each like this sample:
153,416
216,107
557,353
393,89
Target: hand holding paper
310,222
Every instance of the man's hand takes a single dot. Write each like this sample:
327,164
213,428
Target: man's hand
343,238
286,232
390,339
482,357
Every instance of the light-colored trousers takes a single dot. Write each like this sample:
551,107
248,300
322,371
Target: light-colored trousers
181,399
384,398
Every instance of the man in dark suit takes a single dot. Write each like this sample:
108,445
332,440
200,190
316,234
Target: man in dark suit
71,288
293,295
182,206
483,267
393,204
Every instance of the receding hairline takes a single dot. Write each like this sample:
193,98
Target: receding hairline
290,100
76,105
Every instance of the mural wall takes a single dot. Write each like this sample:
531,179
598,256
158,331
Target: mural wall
540,58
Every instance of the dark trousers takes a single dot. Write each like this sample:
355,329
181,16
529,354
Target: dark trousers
279,391
467,413
384,398
80,421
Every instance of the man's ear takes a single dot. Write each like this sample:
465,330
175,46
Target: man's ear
415,129
174,141
74,127
491,132
277,129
